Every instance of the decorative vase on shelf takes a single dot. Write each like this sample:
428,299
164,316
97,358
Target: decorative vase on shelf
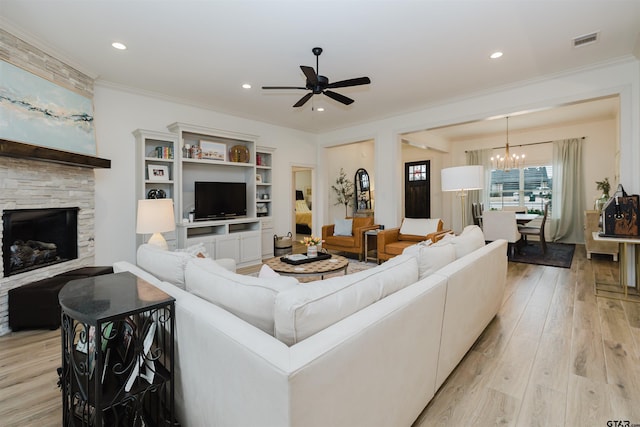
312,251
601,202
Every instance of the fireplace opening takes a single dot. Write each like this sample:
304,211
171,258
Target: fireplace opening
36,238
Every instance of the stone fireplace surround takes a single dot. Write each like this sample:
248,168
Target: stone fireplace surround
30,184
27,183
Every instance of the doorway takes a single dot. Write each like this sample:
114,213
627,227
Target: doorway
417,189
302,201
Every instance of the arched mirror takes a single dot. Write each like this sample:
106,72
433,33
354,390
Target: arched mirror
362,190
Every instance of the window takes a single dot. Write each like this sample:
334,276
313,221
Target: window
530,186
417,172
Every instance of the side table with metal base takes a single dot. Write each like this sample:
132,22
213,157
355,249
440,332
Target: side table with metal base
368,235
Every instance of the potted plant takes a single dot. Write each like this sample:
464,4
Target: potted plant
344,191
605,187
312,244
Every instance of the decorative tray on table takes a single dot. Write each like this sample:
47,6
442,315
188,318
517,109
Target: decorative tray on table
303,259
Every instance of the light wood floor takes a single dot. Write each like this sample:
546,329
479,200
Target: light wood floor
554,356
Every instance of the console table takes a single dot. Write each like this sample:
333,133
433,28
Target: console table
623,290
117,352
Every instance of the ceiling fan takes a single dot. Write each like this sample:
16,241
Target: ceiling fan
318,84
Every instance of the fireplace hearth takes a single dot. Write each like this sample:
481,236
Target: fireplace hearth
37,238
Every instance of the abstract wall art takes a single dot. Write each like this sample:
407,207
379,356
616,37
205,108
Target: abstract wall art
36,111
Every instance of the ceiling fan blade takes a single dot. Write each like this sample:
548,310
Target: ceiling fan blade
349,82
310,74
303,100
282,87
338,97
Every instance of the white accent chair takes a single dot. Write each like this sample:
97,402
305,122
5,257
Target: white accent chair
501,225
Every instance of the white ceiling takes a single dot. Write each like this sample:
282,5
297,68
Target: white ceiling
417,53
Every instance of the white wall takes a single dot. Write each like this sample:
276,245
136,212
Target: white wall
118,113
349,157
619,78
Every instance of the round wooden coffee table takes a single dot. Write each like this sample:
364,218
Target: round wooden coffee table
315,268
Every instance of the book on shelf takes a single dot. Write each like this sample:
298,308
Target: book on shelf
146,346
88,344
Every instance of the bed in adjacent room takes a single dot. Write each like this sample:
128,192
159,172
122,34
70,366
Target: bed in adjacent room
303,214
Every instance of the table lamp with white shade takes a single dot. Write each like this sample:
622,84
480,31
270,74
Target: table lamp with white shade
155,216
462,179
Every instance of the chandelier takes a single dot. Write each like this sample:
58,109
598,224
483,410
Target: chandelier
509,160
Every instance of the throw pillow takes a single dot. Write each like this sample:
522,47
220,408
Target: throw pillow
198,250
250,298
419,226
468,241
431,258
167,266
343,227
266,271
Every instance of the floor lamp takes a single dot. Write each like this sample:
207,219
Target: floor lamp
462,179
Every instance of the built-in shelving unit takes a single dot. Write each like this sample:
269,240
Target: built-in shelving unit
264,194
157,171
205,154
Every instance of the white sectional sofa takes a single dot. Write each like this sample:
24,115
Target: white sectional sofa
366,349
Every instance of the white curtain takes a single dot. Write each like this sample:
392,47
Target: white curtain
566,222
479,157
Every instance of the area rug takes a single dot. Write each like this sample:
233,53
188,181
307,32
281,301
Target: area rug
558,254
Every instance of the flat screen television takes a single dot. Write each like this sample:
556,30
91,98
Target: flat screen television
219,200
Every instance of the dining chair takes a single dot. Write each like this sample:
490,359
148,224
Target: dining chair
501,225
476,213
527,230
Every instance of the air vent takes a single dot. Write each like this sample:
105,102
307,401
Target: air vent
585,40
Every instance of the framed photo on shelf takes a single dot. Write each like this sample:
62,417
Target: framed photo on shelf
158,172
213,150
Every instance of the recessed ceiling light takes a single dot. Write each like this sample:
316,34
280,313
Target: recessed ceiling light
118,45
246,86
495,55
321,109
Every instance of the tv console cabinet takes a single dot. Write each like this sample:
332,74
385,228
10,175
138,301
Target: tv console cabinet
239,238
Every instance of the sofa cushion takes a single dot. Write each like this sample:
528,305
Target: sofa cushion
344,241
396,248
413,228
250,298
468,241
168,266
431,258
343,227
312,307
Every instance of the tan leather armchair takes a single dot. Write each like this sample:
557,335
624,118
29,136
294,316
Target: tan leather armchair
391,242
352,244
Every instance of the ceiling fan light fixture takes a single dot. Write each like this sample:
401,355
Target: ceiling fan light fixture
318,84
320,109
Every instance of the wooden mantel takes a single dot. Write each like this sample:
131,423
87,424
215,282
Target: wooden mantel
34,152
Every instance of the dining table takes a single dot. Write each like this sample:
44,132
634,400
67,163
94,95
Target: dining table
524,218
521,218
